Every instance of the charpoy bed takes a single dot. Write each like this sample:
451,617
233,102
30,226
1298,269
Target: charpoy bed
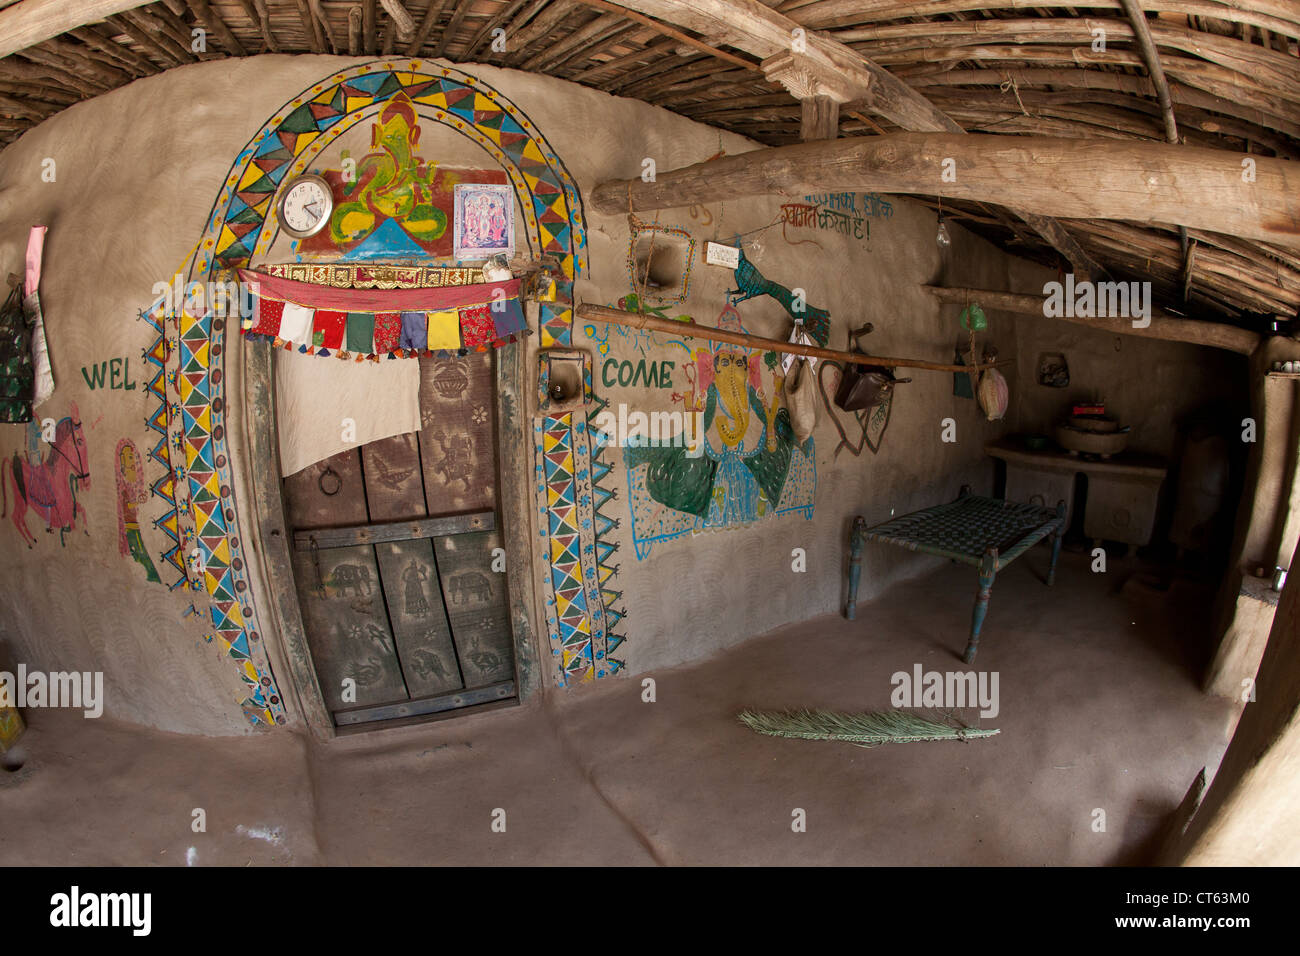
988,533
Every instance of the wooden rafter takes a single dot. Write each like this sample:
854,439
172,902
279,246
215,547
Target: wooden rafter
1222,73
1151,58
35,21
763,32
1142,182
431,17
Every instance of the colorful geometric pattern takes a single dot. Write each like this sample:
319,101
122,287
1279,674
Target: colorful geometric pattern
164,486
242,226
580,614
551,206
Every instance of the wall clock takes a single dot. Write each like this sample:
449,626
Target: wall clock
305,207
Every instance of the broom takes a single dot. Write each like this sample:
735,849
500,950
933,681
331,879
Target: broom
864,730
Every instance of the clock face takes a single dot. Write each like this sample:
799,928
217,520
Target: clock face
306,206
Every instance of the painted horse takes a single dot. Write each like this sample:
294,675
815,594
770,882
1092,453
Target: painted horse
49,488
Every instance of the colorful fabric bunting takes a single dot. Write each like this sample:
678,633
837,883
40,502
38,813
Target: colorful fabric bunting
476,329
361,332
415,331
444,330
508,320
328,329
296,323
347,323
267,314
388,331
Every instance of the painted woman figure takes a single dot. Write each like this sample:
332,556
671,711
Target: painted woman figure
417,605
130,495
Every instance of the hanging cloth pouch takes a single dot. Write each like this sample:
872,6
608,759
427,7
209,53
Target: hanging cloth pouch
801,400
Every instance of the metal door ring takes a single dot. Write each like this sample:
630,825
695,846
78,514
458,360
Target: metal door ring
338,482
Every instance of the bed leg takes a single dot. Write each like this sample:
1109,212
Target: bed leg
857,541
988,570
1056,543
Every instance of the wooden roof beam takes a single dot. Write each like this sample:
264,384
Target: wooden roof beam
767,34
35,21
431,17
452,28
1084,179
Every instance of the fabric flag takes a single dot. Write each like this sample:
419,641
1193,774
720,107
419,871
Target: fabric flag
476,330
508,318
415,331
296,323
328,328
361,332
388,331
266,317
444,330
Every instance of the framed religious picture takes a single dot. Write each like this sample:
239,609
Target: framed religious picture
484,221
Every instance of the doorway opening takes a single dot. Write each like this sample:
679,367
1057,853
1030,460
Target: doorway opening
399,564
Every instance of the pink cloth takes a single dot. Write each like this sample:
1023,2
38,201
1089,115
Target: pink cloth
44,372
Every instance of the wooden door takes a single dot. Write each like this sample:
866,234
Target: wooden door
398,560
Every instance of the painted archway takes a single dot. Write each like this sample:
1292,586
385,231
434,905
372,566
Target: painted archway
202,521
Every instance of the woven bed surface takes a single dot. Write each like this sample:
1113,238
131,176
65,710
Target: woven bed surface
964,529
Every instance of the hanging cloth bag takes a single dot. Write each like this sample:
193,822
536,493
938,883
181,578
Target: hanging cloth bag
801,400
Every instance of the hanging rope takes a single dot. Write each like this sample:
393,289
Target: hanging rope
1009,83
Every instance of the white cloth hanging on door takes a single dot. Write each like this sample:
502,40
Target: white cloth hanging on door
315,401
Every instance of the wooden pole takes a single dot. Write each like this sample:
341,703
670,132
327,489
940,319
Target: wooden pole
641,320
1151,58
820,118
1254,197
1163,325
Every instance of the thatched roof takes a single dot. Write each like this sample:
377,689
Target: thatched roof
1226,76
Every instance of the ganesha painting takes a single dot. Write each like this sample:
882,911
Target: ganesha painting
751,468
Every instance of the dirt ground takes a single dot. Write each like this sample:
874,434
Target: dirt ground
1099,710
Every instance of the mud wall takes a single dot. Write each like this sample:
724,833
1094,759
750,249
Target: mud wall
137,173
